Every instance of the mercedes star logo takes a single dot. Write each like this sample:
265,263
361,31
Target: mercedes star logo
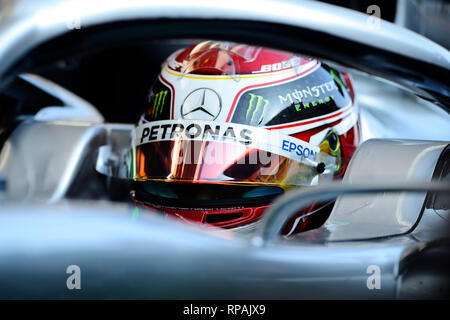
201,104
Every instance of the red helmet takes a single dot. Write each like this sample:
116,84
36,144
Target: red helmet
229,127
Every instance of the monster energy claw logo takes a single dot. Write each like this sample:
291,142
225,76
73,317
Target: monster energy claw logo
257,102
337,79
158,103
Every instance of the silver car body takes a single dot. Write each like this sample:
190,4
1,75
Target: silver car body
126,254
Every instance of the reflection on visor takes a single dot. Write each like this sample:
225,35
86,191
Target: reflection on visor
220,153
225,60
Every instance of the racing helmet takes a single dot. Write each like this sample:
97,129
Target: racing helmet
229,127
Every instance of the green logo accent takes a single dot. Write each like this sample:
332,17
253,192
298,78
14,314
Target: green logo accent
158,103
259,101
135,213
313,103
337,79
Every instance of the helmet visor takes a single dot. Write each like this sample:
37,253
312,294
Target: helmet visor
224,153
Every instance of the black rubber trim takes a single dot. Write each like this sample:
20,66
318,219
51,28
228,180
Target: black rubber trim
143,196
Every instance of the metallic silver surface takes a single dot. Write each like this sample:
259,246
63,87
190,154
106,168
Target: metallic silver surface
41,160
389,112
429,18
126,253
122,255
390,163
75,108
287,206
384,161
25,24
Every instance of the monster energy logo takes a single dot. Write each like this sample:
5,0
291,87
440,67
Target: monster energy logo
337,79
158,103
251,115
